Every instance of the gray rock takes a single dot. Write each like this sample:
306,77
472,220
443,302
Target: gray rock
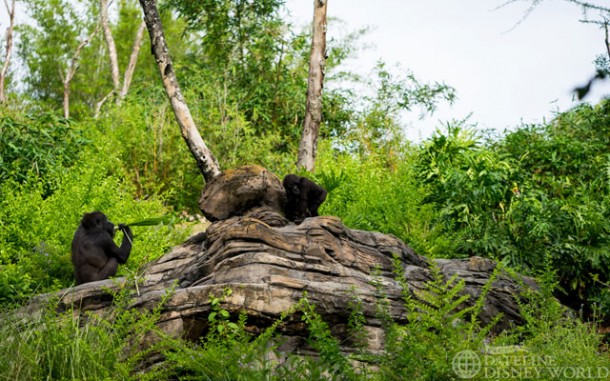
269,267
269,263
236,191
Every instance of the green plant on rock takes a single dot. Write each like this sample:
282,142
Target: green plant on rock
439,326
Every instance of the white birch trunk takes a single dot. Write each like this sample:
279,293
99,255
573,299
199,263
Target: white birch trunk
205,159
112,55
9,48
133,59
67,78
313,113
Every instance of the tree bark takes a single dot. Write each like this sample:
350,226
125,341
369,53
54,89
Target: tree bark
131,66
313,113
133,59
67,78
112,55
9,47
205,159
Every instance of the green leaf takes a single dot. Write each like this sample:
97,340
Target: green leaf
152,221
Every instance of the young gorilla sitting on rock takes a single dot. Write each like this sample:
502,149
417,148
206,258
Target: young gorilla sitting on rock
303,198
94,254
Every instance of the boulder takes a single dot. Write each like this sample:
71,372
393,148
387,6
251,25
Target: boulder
237,191
268,268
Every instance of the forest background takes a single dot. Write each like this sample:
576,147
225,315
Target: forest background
534,198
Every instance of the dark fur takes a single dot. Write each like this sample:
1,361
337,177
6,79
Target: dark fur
303,198
94,254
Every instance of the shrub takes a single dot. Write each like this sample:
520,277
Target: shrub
38,231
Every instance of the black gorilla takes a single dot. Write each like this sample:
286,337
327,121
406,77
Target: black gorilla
303,198
94,254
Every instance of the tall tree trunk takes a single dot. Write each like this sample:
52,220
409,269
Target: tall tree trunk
313,112
133,59
131,66
9,47
71,70
205,159
112,55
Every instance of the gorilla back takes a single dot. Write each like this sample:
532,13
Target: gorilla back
95,256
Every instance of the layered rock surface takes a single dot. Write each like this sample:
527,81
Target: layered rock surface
269,263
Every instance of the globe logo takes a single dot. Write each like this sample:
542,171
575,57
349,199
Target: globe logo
466,364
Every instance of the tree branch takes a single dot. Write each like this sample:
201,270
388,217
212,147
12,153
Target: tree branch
587,5
606,39
133,59
203,156
9,47
112,54
72,70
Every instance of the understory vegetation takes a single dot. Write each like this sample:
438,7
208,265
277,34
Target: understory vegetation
126,344
535,198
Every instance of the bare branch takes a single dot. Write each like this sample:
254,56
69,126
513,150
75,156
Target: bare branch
98,105
607,40
71,70
9,47
203,156
587,5
112,54
133,59
524,16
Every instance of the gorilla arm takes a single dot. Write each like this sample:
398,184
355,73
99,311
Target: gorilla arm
121,253
315,198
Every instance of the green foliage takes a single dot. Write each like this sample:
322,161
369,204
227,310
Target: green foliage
380,193
56,346
15,285
48,44
551,332
439,327
471,185
335,363
219,317
538,194
41,145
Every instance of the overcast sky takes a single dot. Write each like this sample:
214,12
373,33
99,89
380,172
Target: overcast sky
504,75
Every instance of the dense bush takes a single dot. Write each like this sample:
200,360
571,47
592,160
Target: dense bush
43,145
374,193
536,198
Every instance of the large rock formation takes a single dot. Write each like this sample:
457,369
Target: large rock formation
268,263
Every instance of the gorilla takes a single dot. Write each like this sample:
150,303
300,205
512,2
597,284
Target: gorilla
303,198
94,254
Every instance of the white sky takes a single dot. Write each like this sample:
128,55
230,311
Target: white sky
502,76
